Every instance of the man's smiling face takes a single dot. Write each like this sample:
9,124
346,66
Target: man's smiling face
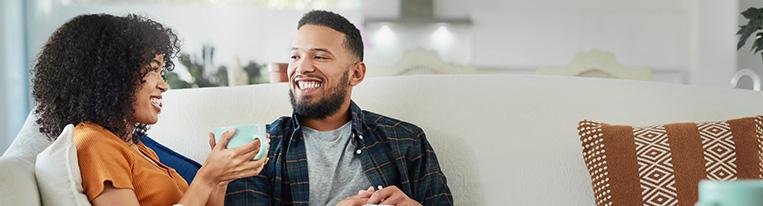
319,71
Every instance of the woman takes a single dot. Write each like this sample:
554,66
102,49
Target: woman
105,74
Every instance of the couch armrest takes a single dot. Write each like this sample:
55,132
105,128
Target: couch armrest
19,186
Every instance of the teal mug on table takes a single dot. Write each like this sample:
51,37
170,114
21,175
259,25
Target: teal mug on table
245,133
730,193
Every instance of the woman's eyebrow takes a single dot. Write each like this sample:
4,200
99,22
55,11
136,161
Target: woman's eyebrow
156,61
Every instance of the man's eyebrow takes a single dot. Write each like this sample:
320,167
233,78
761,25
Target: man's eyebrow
315,50
322,50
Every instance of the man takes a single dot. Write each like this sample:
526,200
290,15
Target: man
330,152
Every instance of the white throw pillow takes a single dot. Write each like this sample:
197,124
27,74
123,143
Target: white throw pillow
57,171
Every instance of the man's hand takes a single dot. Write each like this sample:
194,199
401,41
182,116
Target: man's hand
360,199
391,196
355,200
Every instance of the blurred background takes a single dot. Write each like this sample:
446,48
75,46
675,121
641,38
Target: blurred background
240,42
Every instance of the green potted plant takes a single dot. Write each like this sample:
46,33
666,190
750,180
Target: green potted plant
754,25
199,77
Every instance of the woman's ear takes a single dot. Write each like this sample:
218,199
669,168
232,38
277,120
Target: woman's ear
358,73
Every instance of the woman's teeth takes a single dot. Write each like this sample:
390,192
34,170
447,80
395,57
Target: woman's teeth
156,102
308,84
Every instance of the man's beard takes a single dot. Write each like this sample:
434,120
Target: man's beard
326,106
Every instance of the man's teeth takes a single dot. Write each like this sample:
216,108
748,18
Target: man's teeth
308,84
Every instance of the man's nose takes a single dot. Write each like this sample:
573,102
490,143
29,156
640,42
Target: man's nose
304,65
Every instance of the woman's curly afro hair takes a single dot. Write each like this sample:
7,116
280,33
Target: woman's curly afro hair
90,69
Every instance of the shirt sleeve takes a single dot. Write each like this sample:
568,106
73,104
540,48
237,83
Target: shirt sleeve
430,184
251,190
103,160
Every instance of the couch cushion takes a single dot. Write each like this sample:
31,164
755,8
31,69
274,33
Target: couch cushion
58,174
182,164
17,182
29,141
18,179
662,164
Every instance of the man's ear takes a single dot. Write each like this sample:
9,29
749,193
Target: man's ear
358,73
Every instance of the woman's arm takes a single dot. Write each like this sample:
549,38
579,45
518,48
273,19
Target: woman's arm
222,165
200,192
217,198
197,194
114,196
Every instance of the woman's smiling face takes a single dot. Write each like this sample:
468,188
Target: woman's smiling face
148,97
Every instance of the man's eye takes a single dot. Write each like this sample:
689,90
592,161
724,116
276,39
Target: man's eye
320,57
294,57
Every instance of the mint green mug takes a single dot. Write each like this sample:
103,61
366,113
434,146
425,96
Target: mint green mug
730,193
245,133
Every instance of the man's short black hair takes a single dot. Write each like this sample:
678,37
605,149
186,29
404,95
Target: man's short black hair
352,38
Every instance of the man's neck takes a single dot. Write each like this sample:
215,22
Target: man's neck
332,122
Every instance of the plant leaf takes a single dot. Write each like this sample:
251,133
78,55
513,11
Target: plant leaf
744,32
758,45
753,13
755,23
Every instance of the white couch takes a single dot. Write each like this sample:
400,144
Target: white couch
500,139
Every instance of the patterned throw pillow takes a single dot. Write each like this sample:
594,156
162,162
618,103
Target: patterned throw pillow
662,165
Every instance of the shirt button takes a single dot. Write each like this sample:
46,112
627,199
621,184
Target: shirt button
380,187
357,151
360,136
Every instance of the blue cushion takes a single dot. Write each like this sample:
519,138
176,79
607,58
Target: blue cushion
183,165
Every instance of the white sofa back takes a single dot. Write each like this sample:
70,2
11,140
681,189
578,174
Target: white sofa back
500,139
18,184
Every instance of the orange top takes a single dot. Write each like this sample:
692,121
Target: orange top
104,157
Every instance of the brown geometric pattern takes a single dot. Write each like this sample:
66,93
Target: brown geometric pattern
655,167
719,150
663,164
759,132
594,157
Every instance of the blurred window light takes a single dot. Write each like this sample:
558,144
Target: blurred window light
442,37
45,6
385,36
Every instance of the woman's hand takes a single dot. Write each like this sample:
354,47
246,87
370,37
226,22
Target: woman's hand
224,165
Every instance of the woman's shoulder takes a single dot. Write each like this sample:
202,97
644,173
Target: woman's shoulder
91,135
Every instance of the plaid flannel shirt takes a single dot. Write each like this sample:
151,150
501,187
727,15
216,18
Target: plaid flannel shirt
392,152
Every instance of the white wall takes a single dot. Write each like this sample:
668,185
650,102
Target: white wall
249,32
518,36
713,42
13,76
683,41
4,139
532,33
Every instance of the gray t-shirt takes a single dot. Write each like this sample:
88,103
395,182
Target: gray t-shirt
333,168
